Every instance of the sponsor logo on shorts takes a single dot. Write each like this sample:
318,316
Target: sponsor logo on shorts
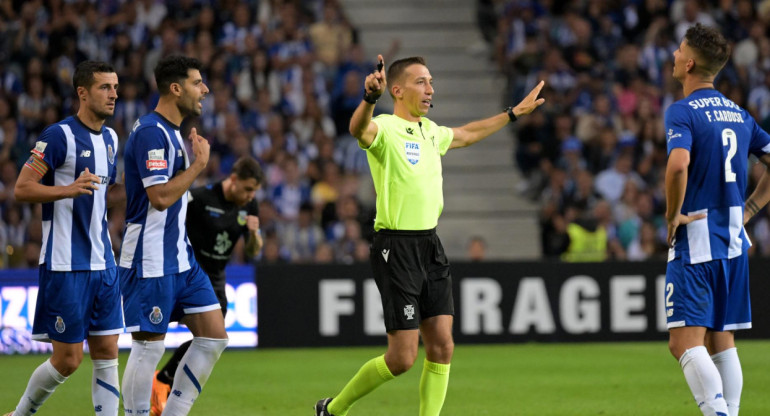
59,325
156,316
409,312
385,254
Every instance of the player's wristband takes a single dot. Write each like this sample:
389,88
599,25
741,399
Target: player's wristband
511,116
371,99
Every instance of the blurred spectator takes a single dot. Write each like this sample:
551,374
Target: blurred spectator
477,248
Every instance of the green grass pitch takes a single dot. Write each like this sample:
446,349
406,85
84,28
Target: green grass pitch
515,379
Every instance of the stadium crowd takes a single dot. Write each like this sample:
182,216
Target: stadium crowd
595,155
286,75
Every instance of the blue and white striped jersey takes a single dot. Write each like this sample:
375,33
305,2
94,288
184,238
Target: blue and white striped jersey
719,136
155,242
75,233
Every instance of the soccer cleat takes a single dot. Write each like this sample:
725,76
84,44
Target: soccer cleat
320,407
159,396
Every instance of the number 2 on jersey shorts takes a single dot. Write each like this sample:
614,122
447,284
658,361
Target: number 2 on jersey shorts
714,294
74,305
412,274
151,303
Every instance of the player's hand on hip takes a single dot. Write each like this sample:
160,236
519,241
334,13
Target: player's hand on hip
252,223
530,102
200,146
85,184
375,82
680,219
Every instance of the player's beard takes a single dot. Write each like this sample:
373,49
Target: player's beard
103,113
188,107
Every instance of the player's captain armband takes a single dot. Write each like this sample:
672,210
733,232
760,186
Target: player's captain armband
37,164
39,149
156,159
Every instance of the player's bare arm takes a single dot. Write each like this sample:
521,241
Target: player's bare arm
361,125
164,195
676,185
254,243
761,195
116,194
29,189
481,129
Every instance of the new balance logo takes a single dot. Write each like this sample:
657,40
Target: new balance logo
85,153
177,393
385,254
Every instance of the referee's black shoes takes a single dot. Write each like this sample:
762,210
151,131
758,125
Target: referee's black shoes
320,407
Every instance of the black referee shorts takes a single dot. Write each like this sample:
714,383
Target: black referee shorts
412,274
218,281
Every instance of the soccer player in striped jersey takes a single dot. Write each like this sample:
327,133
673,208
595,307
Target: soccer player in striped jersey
160,279
71,172
707,281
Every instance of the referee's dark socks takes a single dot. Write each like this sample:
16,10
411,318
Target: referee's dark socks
166,374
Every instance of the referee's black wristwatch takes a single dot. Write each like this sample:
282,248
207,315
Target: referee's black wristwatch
371,98
511,116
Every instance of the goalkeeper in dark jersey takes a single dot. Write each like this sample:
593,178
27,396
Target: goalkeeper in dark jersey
217,215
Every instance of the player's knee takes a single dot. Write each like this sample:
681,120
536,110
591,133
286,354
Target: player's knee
440,352
400,362
66,364
675,349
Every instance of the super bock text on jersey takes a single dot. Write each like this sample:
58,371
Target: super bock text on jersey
719,135
75,232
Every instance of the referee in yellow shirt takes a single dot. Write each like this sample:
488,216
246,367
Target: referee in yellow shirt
411,271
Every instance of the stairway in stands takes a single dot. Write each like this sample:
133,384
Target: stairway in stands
480,180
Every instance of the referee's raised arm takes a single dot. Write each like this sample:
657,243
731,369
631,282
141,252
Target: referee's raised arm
361,126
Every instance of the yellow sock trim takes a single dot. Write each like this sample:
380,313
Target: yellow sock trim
436,367
383,369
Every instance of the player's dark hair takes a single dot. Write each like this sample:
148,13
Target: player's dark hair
246,168
397,68
84,73
173,69
710,47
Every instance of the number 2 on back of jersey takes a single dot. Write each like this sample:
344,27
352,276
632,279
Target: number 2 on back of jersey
729,139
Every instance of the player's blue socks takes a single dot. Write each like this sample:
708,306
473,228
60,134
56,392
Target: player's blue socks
704,380
105,390
193,372
44,380
137,377
729,367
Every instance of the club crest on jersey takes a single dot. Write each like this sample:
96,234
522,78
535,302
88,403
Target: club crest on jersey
156,160
409,312
156,316
39,149
412,151
59,325
110,154
241,218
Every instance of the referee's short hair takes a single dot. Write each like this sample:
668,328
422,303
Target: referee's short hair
246,168
84,73
397,68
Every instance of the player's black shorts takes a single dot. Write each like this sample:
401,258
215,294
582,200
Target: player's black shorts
412,274
218,283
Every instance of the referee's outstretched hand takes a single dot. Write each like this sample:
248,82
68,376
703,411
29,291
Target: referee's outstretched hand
375,82
531,102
